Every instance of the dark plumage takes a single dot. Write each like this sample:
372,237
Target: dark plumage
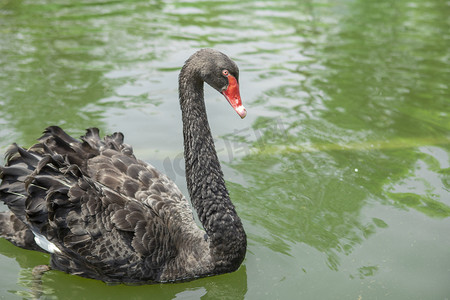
106,215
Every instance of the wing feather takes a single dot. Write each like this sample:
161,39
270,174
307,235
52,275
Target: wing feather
105,210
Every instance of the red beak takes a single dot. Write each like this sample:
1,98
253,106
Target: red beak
233,97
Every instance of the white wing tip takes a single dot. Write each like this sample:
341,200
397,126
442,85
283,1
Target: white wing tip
45,244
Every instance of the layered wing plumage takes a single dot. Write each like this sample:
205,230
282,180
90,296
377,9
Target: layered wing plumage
103,213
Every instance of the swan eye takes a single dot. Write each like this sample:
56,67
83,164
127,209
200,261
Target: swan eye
225,73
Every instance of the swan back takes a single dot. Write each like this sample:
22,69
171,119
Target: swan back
106,214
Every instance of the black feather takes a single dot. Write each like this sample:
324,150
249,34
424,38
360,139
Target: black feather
115,218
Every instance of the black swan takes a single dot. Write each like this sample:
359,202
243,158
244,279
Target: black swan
106,215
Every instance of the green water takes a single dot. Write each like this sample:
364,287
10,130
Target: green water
340,172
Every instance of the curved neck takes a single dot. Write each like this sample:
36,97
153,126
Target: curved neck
204,178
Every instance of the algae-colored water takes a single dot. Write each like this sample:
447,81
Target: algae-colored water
340,172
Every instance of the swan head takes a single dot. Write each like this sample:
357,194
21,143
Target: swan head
221,73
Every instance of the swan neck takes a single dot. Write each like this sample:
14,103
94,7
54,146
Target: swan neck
204,178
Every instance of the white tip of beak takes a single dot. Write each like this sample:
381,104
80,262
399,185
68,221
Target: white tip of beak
242,112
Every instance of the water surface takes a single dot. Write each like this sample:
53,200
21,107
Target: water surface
340,172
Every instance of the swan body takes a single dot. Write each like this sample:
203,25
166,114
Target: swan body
104,214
